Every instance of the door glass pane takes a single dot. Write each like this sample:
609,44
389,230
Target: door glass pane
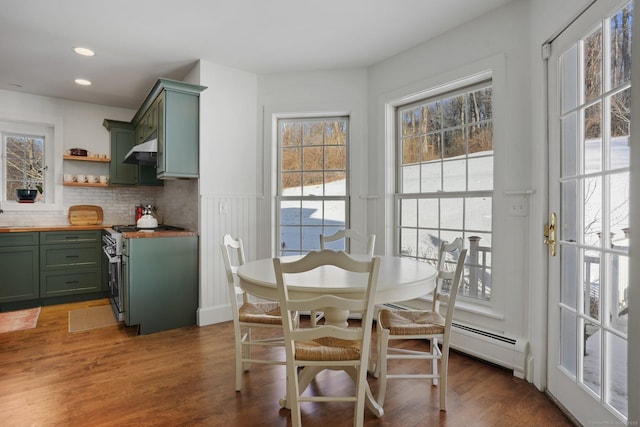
569,83
569,213
569,137
621,46
593,64
592,139
592,200
592,289
619,209
568,350
592,356
620,129
568,288
619,307
617,393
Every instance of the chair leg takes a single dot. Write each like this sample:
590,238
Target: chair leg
381,366
444,367
239,355
434,362
293,392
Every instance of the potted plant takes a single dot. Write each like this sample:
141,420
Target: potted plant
28,195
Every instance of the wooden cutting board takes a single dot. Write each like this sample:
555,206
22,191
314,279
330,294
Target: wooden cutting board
85,215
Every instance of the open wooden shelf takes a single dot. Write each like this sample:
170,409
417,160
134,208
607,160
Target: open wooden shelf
87,158
85,184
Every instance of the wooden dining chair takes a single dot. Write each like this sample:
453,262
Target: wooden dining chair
249,315
348,236
326,346
427,325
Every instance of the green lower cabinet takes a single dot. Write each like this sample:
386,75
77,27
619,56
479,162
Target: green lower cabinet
70,263
161,282
19,267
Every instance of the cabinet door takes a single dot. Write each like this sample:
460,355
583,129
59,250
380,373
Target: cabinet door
122,140
160,162
19,273
179,158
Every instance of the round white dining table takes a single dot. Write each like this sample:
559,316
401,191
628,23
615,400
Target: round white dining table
399,279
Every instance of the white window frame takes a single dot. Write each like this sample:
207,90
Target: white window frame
473,267
278,194
51,128
493,312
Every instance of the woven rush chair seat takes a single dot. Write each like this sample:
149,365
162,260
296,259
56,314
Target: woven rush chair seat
327,348
411,322
260,312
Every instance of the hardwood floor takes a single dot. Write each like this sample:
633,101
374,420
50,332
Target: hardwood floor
185,377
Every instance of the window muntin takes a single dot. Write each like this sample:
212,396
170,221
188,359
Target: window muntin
313,182
445,179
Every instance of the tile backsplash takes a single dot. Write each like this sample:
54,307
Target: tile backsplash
177,204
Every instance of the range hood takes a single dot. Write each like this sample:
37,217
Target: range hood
143,154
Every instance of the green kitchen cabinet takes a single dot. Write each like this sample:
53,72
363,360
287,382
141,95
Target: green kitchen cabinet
19,266
123,138
70,263
175,107
160,282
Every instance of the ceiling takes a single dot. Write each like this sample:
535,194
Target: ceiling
137,41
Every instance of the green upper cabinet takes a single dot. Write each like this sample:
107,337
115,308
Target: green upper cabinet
122,137
171,113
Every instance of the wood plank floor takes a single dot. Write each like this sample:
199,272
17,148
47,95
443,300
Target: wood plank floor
185,377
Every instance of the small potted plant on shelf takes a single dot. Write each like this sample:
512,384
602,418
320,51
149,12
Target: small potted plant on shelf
28,195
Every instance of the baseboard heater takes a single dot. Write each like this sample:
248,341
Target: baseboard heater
499,349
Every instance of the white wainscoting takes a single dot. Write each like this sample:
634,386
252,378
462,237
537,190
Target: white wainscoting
236,215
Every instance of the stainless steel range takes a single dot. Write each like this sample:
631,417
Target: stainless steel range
112,242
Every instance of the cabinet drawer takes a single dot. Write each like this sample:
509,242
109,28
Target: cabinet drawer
69,256
55,237
18,239
53,283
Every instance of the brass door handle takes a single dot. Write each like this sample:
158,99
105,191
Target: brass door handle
550,234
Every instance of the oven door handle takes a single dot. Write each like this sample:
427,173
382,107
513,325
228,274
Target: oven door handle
112,259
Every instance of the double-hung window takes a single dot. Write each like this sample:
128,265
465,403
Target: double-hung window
313,181
445,179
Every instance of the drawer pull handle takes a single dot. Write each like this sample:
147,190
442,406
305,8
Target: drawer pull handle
72,237
73,256
72,282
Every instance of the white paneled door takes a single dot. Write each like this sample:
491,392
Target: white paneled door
589,125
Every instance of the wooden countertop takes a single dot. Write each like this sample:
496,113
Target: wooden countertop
158,233
19,228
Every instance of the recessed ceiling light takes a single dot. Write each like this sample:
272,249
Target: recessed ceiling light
83,82
83,51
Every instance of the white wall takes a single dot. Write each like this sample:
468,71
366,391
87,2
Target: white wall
497,41
228,158
337,91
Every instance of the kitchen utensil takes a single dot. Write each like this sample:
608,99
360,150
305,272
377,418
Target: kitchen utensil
85,215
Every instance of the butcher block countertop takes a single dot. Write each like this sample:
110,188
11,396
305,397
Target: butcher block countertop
22,228
159,233
128,234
